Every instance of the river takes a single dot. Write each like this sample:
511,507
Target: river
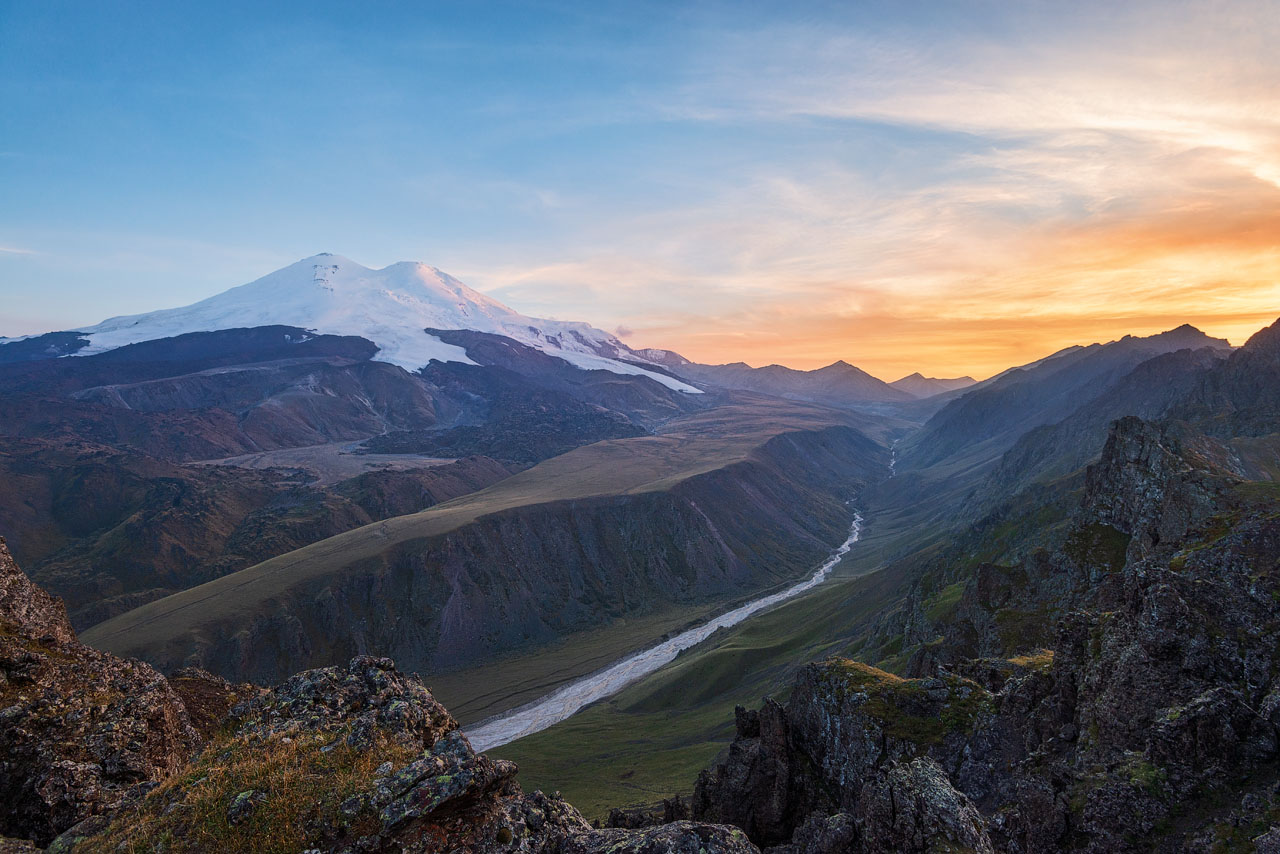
568,699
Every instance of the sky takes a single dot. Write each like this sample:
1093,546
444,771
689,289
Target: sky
951,187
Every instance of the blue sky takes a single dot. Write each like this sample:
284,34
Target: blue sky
944,186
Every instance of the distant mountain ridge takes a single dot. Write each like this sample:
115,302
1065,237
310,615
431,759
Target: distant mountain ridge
996,412
838,384
921,386
403,308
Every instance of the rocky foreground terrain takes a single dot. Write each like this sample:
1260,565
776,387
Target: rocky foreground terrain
99,753
1149,720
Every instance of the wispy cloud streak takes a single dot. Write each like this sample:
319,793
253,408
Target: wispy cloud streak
1098,170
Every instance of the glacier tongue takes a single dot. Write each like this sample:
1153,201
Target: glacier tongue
391,307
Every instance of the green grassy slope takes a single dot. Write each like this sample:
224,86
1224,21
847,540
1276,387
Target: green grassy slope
651,740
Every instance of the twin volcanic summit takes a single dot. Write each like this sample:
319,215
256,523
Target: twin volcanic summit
391,307
282,549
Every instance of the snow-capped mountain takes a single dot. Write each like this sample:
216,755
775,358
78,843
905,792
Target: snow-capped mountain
391,307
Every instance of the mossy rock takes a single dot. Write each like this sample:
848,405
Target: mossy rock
909,709
1098,545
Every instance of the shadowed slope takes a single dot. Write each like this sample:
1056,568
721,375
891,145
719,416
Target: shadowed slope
722,503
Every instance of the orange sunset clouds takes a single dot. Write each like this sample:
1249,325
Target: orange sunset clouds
980,198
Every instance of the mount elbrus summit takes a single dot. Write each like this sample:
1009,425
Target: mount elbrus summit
291,554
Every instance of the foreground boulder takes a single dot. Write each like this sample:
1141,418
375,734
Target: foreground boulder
361,758
78,728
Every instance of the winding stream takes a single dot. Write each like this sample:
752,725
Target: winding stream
568,699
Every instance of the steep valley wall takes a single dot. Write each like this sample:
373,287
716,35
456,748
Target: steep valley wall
515,579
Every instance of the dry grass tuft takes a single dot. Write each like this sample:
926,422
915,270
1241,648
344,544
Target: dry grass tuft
299,784
1040,659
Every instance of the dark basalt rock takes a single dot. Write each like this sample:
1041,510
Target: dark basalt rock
839,767
912,806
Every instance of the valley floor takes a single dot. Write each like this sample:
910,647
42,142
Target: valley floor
325,465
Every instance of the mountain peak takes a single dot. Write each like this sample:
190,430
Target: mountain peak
1180,337
919,385
840,366
329,258
1265,340
392,307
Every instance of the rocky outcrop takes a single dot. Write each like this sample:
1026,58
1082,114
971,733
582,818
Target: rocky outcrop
79,729
362,758
855,762
1153,486
681,837
1151,722
26,610
912,806
208,699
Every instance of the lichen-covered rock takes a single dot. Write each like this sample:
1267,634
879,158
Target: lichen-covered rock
361,758
822,834
368,698
1148,485
18,846
27,609
839,761
912,808
681,837
754,788
669,810
78,728
1268,842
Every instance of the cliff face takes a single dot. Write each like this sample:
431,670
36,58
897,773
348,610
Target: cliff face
1150,720
529,575
109,530
78,727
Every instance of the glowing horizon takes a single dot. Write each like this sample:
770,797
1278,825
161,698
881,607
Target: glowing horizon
955,191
